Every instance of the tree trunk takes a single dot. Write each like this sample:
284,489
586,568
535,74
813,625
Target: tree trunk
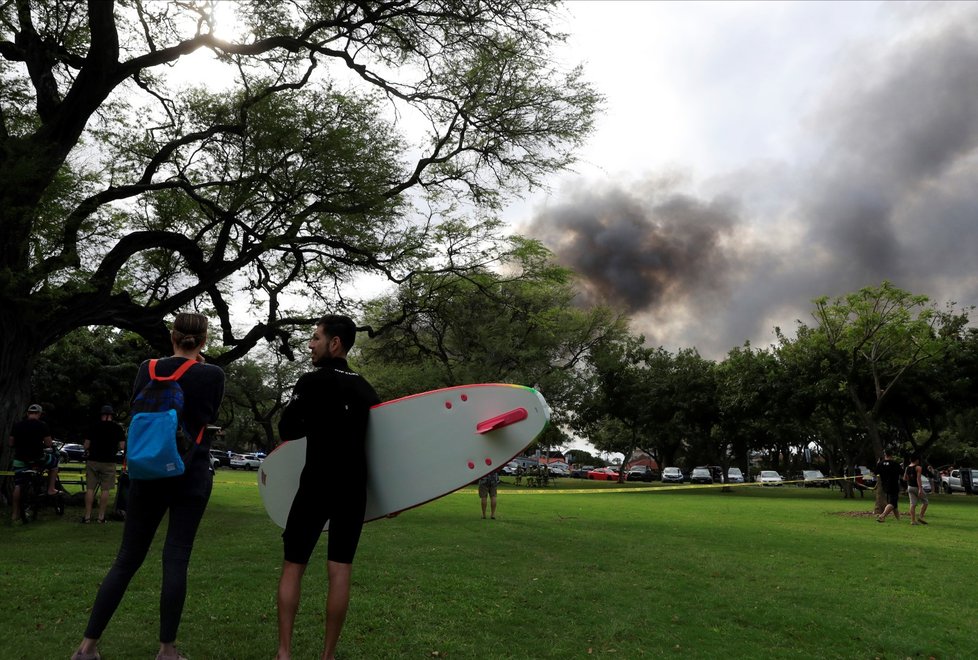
19,348
869,420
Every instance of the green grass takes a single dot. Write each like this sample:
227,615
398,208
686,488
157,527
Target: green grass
772,573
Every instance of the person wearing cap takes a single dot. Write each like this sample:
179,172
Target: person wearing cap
103,440
29,438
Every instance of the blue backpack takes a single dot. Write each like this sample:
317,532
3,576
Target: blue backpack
158,439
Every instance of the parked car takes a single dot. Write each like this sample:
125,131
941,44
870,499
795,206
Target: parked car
672,475
701,475
951,482
769,478
603,474
640,473
814,479
245,462
735,476
71,452
510,468
581,472
716,472
558,471
221,457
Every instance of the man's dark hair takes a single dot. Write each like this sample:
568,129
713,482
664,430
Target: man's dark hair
336,325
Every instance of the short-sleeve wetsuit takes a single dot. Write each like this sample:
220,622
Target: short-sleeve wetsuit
330,407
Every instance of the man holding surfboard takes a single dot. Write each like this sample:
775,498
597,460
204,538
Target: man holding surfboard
330,407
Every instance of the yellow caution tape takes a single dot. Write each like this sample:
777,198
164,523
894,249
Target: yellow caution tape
659,489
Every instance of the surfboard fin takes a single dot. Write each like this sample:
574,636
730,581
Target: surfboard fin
498,422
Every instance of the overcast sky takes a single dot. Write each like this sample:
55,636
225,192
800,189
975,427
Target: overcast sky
753,156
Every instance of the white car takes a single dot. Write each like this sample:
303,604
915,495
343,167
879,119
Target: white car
769,478
735,476
672,475
814,479
245,462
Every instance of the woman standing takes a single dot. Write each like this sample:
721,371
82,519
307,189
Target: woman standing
184,496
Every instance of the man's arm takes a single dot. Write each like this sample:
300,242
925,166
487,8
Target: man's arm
292,424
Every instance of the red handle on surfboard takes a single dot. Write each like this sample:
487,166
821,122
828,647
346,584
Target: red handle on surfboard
500,421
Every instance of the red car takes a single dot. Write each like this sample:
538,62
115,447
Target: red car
603,474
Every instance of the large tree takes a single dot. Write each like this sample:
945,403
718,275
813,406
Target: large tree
877,336
126,195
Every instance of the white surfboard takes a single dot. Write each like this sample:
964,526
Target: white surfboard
422,447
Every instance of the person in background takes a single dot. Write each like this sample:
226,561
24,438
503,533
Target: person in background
184,497
29,439
103,440
888,474
488,486
914,476
329,406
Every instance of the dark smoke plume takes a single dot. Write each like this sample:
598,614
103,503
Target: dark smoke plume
638,253
892,193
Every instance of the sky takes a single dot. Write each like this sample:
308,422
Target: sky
753,156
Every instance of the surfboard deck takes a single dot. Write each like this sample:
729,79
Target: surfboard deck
422,447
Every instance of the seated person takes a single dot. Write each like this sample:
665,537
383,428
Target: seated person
29,439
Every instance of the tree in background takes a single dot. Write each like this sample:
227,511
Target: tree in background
636,397
877,337
257,389
746,383
83,371
518,325
126,196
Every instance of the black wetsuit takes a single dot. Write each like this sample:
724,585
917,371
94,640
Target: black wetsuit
185,497
330,407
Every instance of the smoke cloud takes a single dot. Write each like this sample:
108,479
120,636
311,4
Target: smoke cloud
639,252
889,194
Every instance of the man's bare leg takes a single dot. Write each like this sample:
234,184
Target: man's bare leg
15,505
89,501
337,603
289,591
103,503
53,481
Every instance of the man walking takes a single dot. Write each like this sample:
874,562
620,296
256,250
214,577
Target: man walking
104,439
915,489
888,472
329,407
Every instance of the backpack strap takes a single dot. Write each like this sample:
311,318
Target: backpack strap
181,370
176,375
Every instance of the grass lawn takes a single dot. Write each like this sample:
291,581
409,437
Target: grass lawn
758,573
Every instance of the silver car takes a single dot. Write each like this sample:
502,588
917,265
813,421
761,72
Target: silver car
245,462
672,475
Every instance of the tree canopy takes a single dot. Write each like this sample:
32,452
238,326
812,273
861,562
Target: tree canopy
126,194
